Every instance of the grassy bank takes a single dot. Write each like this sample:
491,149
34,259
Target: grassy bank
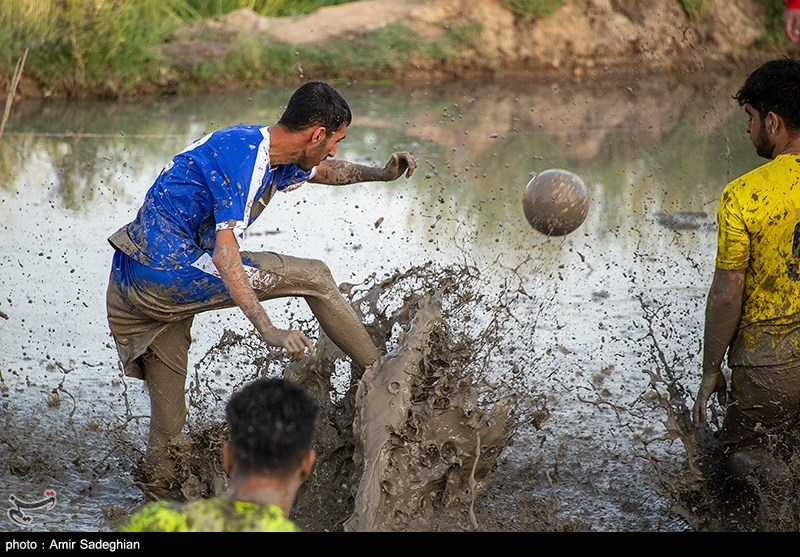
110,48
384,52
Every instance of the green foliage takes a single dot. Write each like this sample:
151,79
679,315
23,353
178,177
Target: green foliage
109,47
385,50
105,44
463,34
697,9
271,8
773,21
533,9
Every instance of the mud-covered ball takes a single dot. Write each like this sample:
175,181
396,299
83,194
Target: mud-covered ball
555,202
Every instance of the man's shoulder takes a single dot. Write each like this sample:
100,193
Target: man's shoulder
747,177
766,172
236,136
237,143
290,177
159,516
227,514
241,130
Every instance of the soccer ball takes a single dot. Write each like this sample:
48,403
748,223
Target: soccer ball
555,202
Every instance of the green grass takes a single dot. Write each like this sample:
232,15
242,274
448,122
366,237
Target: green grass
533,9
773,21
99,45
772,13
271,8
697,9
108,47
385,51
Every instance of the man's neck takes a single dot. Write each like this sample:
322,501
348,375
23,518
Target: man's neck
786,145
264,490
284,145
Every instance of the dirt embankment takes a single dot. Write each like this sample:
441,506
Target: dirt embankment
584,37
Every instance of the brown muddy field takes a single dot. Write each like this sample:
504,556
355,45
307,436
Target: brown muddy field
530,384
424,441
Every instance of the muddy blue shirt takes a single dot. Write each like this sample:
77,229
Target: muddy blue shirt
221,181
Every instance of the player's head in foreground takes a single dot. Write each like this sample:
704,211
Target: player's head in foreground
271,425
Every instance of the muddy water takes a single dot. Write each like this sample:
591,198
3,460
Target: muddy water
605,309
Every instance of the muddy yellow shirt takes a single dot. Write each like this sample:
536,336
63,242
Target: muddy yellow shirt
758,220
220,514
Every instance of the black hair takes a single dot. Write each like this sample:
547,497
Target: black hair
774,87
316,104
271,424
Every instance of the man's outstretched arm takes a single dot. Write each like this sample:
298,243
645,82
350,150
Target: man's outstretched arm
339,172
228,261
723,310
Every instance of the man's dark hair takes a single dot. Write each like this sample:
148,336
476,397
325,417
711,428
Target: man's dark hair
271,423
774,87
316,104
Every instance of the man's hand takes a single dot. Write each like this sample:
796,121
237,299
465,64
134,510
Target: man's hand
791,25
397,164
293,341
710,384
228,261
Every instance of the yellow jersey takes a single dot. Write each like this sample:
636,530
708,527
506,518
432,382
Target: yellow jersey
758,221
220,514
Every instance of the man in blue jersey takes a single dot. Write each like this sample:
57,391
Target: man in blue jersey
180,256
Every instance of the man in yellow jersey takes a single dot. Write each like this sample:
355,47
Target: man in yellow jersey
753,305
268,457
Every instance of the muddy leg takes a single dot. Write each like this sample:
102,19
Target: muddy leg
773,485
164,366
763,406
343,327
312,280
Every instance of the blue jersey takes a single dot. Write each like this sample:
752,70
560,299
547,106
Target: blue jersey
221,181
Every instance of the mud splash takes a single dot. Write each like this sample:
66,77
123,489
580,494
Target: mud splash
689,463
411,443
701,490
427,438
417,441
424,446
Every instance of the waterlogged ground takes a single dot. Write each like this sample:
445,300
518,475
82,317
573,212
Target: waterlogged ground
594,325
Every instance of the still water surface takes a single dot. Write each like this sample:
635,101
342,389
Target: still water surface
653,153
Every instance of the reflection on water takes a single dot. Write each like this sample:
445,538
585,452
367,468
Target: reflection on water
671,143
650,152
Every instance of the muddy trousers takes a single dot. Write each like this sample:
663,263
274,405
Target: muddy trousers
164,363
164,366
771,484
762,416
